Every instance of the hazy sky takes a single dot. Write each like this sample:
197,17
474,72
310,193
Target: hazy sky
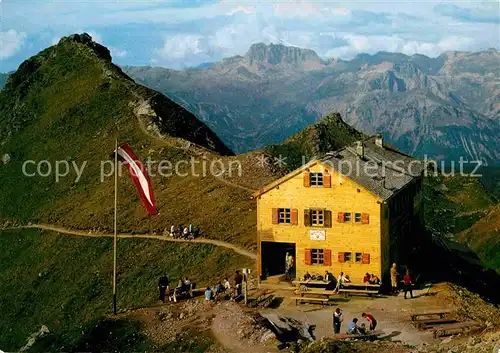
186,33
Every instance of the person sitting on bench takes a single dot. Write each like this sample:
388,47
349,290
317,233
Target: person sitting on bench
374,279
307,276
209,294
367,278
219,288
330,281
227,285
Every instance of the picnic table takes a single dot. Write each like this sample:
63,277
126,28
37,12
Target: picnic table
310,283
426,314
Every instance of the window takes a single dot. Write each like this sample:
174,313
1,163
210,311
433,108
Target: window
317,256
316,179
347,256
284,215
347,217
317,217
357,217
359,257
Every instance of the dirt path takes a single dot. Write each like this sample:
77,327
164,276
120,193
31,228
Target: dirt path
82,233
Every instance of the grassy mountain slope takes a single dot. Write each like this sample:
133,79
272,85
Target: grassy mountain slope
484,238
461,209
64,282
67,104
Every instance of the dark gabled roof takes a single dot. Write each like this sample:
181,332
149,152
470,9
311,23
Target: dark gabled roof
383,170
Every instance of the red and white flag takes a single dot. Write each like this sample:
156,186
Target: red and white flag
140,177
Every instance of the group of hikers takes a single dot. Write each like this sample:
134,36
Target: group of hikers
184,286
371,279
224,287
353,327
406,280
332,283
181,232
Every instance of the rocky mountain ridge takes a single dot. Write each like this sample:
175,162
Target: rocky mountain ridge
445,107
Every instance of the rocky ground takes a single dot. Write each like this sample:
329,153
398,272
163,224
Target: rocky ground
231,327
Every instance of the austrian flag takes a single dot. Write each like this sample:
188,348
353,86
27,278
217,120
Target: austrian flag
139,176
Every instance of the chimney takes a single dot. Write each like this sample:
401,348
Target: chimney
360,149
379,140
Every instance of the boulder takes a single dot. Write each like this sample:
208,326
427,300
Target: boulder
288,329
6,158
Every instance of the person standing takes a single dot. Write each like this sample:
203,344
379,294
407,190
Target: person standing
394,278
287,267
407,284
340,281
162,287
238,281
371,320
289,262
337,320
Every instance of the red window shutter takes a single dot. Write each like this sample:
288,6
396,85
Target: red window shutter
275,216
365,218
295,216
327,256
327,180
341,257
307,179
308,257
328,218
307,218
340,217
365,258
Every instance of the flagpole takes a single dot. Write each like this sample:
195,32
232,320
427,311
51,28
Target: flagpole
115,232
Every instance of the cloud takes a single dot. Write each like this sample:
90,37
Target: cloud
117,52
11,42
482,15
372,44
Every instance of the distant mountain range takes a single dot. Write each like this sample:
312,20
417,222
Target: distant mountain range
445,107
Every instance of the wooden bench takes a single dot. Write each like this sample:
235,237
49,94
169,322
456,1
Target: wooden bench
369,292
315,291
429,324
439,313
450,329
323,301
366,286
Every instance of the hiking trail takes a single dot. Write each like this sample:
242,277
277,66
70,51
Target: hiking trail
82,233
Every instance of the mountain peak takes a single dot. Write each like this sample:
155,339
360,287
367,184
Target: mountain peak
279,54
99,50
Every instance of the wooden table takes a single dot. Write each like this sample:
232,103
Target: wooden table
310,282
323,301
